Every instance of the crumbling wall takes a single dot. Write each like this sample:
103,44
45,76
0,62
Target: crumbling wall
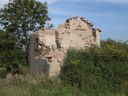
96,34
41,43
48,48
77,33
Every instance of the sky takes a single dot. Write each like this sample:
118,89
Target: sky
111,16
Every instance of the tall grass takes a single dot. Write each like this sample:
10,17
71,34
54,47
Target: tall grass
38,86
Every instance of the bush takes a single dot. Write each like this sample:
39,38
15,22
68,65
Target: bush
11,56
98,70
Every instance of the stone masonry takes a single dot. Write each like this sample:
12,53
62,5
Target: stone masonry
47,48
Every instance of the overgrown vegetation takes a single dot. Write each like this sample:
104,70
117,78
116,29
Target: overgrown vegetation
98,70
89,72
38,86
11,56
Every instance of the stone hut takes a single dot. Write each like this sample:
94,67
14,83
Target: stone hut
48,48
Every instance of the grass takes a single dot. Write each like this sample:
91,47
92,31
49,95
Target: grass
38,86
44,86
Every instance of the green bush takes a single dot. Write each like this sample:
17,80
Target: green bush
11,56
98,70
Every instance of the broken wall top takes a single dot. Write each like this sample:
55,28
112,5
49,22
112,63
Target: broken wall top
73,21
75,32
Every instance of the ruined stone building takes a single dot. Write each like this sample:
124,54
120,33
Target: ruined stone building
48,48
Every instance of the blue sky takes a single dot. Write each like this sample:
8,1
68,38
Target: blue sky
111,16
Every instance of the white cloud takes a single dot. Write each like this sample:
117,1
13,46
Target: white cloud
3,2
48,1
114,1
105,1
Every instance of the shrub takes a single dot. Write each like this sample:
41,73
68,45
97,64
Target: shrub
11,56
98,69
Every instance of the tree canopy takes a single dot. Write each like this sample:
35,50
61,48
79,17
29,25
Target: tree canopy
19,17
11,57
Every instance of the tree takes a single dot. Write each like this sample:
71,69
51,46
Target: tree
20,17
11,57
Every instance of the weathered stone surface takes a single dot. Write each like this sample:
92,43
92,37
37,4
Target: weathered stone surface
18,77
48,48
9,78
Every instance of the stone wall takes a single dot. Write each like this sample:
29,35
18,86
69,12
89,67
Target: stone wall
48,48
